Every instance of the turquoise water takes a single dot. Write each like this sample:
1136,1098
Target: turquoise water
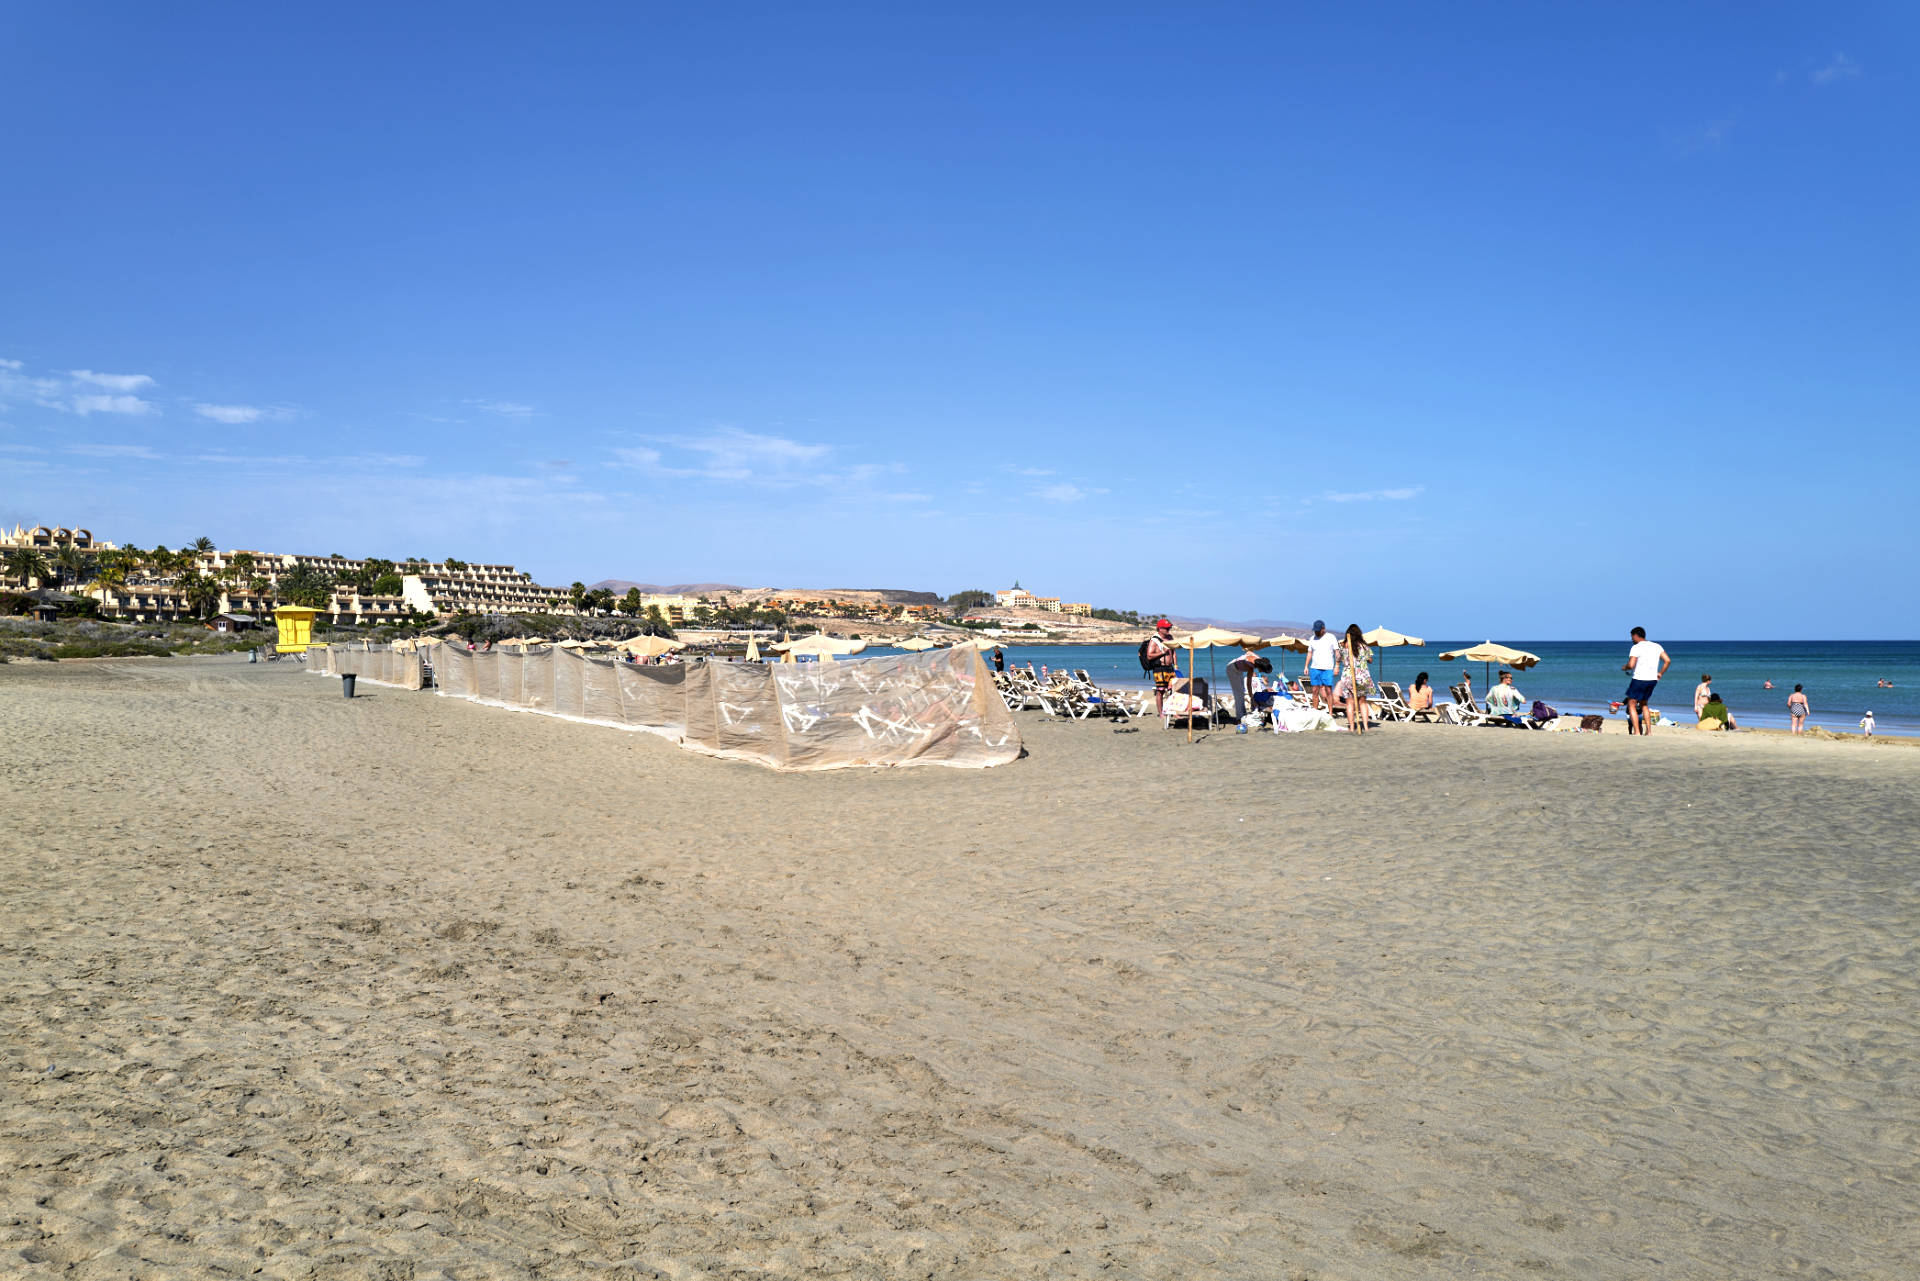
1584,676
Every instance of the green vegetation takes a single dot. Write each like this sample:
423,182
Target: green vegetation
305,585
80,637
972,598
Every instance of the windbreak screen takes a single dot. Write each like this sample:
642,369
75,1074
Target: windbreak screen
934,708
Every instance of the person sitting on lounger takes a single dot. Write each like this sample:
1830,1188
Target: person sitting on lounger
1420,697
1503,699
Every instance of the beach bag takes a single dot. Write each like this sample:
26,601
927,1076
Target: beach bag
1541,712
1594,723
1146,664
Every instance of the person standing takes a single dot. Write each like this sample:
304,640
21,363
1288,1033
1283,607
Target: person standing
1798,710
1702,693
1357,681
1646,664
1321,647
999,660
1162,662
1240,676
1866,724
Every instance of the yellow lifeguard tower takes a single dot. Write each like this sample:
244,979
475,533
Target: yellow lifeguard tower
296,628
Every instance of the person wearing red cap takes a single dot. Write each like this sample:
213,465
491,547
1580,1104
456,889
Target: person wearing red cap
1163,658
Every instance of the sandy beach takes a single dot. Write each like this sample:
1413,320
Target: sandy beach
405,987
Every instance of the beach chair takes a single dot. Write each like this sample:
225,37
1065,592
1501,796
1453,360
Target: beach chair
1392,707
1464,711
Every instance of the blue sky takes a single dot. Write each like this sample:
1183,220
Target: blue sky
1510,321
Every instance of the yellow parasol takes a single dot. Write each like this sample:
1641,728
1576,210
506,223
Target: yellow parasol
1387,638
1211,638
915,644
821,646
650,646
1298,644
1489,653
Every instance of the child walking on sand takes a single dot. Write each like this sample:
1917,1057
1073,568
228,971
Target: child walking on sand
1866,724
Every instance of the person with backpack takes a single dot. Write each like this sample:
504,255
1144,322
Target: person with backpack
1159,658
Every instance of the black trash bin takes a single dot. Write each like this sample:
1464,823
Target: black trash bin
346,685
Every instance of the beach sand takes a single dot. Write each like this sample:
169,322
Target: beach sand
407,987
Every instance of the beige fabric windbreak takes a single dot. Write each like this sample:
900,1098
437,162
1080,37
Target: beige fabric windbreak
374,664
937,708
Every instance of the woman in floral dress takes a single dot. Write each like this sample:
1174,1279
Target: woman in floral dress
1356,680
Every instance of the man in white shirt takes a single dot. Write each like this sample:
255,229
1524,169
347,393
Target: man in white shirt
1646,664
1320,664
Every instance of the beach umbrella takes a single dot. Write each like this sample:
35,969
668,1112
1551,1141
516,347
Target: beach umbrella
1298,644
820,646
650,646
981,643
1387,638
915,644
1489,653
753,649
1211,638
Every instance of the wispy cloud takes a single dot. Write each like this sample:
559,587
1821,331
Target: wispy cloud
243,413
1026,471
69,392
1064,492
103,404
112,382
1839,67
113,451
502,408
732,454
1375,495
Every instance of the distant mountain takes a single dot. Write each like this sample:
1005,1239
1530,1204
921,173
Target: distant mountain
620,587
890,595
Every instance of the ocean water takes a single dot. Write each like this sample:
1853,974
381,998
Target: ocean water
1584,676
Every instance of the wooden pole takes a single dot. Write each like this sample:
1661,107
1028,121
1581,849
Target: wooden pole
1189,687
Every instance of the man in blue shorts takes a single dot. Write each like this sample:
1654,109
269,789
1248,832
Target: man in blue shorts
1646,664
1319,671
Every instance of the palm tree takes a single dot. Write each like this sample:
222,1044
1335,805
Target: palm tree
202,593
110,574
29,565
72,564
201,545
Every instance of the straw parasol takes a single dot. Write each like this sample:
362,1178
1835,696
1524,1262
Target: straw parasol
981,643
753,649
1489,653
1211,638
1298,644
821,646
1387,638
915,644
650,646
